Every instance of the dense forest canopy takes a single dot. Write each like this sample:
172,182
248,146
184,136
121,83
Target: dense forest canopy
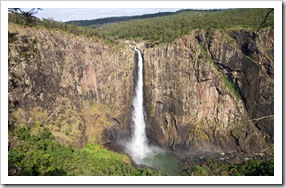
97,22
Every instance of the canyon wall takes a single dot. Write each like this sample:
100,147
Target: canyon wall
210,91
79,88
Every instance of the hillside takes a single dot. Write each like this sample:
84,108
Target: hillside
101,21
208,91
171,26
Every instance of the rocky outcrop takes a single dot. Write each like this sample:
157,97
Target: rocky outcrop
77,87
252,73
211,91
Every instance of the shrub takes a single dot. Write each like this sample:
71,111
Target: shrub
42,155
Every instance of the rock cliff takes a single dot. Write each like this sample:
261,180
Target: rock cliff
77,87
210,91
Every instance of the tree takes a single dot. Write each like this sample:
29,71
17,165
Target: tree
264,21
27,15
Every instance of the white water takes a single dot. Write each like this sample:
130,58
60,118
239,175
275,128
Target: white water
138,146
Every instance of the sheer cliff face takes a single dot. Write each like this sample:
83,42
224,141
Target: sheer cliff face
208,91
211,92
75,86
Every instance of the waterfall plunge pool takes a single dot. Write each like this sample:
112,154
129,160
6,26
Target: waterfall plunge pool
164,162
156,158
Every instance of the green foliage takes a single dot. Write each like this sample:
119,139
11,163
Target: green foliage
42,155
254,168
200,171
248,168
231,87
51,24
167,28
24,133
16,18
150,109
100,21
159,28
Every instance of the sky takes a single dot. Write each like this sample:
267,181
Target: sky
68,14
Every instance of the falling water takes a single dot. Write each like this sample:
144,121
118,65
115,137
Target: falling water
138,144
137,148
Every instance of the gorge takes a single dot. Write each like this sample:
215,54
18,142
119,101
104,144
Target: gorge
207,93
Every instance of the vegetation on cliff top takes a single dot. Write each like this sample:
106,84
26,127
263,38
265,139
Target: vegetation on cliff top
162,28
51,24
168,28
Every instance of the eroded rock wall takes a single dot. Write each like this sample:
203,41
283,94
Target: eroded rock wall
207,91
77,87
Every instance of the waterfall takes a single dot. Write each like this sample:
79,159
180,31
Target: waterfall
138,146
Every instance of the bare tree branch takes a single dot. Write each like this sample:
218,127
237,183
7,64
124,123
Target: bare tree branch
28,15
264,21
264,117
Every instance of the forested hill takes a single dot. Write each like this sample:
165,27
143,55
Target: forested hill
98,22
162,27
166,27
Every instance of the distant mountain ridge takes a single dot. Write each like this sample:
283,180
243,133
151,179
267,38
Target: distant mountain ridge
100,21
108,20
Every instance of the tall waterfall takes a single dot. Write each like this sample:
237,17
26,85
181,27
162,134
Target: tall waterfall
138,146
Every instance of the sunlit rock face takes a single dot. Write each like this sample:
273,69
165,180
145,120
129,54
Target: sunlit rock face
209,91
79,88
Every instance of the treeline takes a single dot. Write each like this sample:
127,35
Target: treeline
98,22
51,24
42,155
94,23
168,28
161,27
